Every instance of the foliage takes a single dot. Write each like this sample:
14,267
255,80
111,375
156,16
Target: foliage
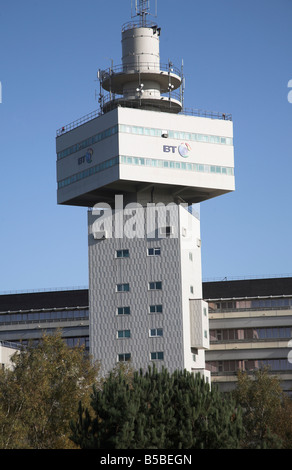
284,424
156,410
39,396
262,400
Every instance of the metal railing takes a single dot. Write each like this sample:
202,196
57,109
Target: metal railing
136,68
138,24
207,114
185,111
77,123
8,344
134,95
248,309
84,320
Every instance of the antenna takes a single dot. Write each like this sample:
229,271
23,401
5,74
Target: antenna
142,8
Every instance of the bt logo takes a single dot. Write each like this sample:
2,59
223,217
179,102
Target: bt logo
86,158
183,149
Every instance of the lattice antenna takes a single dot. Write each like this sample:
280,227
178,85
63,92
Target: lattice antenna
141,8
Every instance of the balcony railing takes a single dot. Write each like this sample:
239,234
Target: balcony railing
8,344
138,24
186,111
78,122
136,68
248,309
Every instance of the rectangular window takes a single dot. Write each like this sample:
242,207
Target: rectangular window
157,356
155,309
155,285
123,334
122,254
123,311
124,357
122,288
155,332
191,289
166,231
153,252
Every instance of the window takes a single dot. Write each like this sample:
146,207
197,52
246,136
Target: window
157,356
155,285
123,311
166,231
156,332
122,254
190,256
191,289
123,334
124,357
153,252
155,308
122,287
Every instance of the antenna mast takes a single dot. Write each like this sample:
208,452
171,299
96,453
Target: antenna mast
142,9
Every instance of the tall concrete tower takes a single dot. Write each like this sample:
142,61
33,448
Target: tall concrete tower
140,164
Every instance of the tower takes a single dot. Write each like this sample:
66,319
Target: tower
140,164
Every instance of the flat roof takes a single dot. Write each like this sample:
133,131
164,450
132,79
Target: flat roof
211,290
247,288
44,300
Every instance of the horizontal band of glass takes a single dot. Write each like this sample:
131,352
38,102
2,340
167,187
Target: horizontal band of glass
43,316
197,167
151,162
86,143
89,172
211,139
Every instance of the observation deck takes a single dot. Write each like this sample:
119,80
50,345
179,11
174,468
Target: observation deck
141,79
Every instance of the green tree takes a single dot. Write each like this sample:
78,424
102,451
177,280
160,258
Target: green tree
261,399
40,395
157,410
284,423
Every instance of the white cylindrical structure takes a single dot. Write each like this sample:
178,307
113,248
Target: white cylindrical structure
140,79
140,49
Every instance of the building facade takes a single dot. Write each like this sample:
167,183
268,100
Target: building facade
26,317
7,350
142,160
250,321
150,291
250,328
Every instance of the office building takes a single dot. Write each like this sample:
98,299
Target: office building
250,325
26,317
140,164
250,328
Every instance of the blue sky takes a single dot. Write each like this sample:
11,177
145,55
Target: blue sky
237,59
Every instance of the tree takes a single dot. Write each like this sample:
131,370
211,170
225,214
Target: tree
157,410
40,395
284,423
261,398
